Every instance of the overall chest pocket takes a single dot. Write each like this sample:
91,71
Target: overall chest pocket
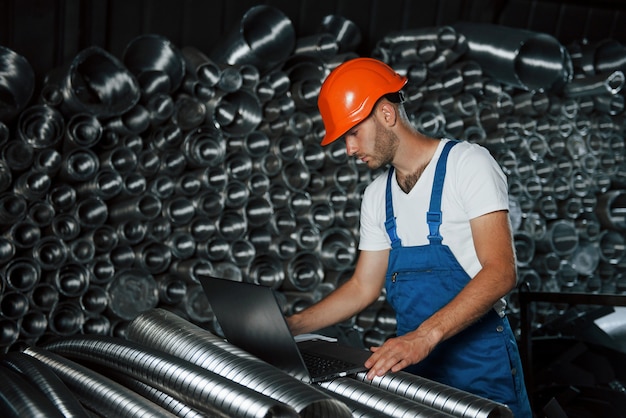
416,294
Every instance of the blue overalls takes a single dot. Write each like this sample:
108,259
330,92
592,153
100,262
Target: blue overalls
483,359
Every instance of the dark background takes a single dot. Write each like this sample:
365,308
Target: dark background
49,33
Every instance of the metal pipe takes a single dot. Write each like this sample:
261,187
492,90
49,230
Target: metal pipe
20,398
204,147
189,112
122,256
561,238
266,270
390,404
71,280
304,272
9,333
150,56
516,60
338,249
41,126
65,227
166,401
182,244
106,184
209,203
43,378
83,130
17,155
218,356
160,108
131,292
179,210
263,38
611,210
102,271
600,84
91,388
203,389
65,319
322,45
202,67
435,395
18,83
153,257
131,232
193,268
144,207
346,32
94,301
97,82
96,325
612,246
24,234
79,165
148,162
259,211
172,289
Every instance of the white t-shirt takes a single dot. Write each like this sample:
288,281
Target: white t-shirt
474,185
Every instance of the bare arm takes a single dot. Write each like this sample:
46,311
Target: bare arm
362,289
494,246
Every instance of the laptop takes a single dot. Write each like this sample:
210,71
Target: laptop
250,318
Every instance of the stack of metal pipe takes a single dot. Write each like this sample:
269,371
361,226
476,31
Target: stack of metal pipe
168,366
126,178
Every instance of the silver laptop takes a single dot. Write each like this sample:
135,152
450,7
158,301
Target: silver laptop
250,317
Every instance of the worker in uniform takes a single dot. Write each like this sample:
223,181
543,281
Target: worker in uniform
434,233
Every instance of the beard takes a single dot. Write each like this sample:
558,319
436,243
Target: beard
385,147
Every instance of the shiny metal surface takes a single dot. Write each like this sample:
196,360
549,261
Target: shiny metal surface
168,402
200,388
18,81
167,332
43,378
264,37
435,395
387,403
525,59
19,398
96,391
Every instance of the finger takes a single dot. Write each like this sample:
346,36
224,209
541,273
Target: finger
384,364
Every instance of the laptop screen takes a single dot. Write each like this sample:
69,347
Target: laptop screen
250,318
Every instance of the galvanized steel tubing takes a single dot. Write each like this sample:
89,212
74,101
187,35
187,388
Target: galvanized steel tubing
95,391
448,400
517,57
387,403
17,81
97,82
167,332
196,386
60,401
19,398
264,38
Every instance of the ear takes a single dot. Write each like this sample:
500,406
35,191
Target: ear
388,113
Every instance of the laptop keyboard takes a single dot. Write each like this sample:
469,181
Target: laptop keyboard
319,365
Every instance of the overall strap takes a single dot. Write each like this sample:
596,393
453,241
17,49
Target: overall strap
433,216
390,221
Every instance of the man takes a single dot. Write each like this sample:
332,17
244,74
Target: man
442,249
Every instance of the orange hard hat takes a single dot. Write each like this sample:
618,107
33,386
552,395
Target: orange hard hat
350,91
